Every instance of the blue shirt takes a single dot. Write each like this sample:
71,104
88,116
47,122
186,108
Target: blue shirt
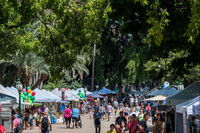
75,112
62,108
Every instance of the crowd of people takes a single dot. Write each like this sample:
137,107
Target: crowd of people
129,117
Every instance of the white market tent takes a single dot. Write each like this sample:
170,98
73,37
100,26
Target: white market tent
14,91
7,92
69,94
156,98
183,111
188,106
52,96
41,96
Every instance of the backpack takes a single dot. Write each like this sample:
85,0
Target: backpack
45,123
19,126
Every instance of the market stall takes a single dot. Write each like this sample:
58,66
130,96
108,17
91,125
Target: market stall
6,103
190,92
184,112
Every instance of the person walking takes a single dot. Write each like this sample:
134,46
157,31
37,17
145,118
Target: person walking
67,115
158,124
45,123
141,115
143,124
109,110
75,116
132,124
120,118
16,124
97,122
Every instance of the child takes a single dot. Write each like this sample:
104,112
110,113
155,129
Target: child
112,127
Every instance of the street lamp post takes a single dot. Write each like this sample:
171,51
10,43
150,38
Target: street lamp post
85,91
19,88
63,93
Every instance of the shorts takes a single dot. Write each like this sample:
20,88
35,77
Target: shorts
26,119
68,120
109,113
31,122
74,119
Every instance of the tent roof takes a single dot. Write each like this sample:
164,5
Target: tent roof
105,91
6,98
156,98
51,95
69,94
41,96
94,95
184,105
191,91
166,92
6,92
148,92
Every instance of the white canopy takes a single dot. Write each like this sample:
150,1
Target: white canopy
156,98
41,96
9,93
69,94
52,96
189,106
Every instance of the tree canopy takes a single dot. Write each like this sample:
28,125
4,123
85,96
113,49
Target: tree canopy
137,40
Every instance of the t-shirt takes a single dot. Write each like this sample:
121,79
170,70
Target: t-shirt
97,117
109,108
113,131
132,125
75,112
143,123
16,122
120,119
2,129
115,104
68,113
62,108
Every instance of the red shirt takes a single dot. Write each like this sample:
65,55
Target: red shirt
2,129
132,125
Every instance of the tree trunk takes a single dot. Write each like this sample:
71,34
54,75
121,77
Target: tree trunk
39,82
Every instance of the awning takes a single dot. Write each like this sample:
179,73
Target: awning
156,98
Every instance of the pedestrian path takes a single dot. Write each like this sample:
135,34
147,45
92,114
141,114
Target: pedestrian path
88,127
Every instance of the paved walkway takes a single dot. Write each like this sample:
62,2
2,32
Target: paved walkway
88,127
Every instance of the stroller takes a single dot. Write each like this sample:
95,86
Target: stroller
79,122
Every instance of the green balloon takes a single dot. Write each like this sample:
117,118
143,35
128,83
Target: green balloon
27,88
22,96
29,95
33,97
25,93
29,101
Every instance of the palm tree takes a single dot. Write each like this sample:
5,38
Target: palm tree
80,66
30,68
